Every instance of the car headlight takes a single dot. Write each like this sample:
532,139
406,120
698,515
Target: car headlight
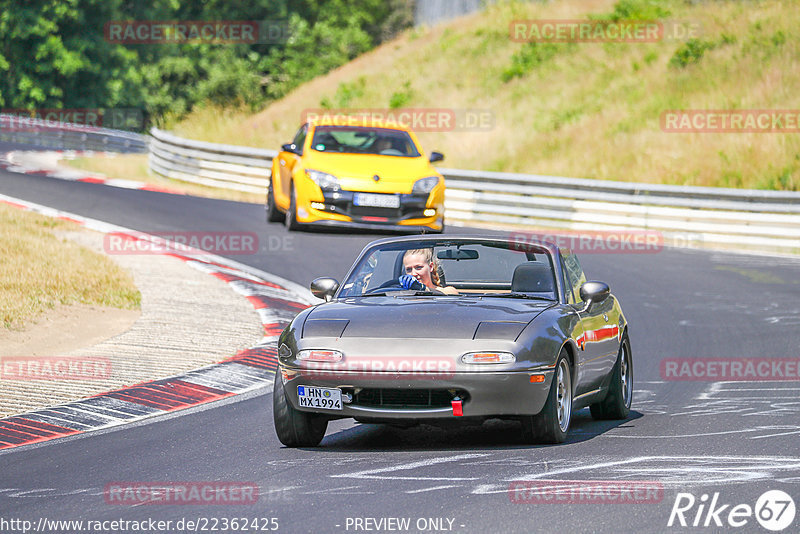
316,355
425,185
325,181
488,357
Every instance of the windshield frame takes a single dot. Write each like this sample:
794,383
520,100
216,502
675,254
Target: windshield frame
409,242
410,138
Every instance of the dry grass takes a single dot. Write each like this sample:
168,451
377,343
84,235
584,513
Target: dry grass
40,270
134,167
592,110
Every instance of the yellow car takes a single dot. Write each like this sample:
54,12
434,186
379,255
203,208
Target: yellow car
362,173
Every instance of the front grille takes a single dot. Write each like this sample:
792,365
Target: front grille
411,206
389,213
405,398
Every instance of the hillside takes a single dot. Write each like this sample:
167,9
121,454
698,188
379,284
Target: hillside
587,110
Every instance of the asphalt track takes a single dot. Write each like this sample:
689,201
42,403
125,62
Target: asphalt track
739,439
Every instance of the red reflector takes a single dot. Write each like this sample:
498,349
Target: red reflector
375,219
457,409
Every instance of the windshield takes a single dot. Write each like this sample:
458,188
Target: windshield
454,267
362,140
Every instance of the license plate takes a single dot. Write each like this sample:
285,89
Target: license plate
323,398
376,201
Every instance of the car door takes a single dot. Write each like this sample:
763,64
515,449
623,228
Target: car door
286,164
597,337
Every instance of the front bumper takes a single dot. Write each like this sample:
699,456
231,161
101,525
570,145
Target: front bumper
338,209
382,227
483,394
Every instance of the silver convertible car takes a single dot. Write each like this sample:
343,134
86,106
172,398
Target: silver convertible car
426,329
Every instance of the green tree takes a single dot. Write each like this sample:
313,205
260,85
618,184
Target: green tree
54,53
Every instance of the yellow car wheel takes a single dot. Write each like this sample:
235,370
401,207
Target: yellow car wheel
291,213
273,213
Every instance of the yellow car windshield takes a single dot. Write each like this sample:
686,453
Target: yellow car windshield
361,140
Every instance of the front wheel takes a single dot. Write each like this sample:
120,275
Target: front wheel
295,428
291,213
551,425
617,404
273,214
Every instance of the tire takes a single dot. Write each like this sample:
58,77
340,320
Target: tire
617,404
273,214
551,425
291,214
293,427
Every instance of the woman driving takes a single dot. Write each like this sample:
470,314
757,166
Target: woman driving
422,268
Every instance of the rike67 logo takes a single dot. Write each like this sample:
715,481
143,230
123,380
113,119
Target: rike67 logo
774,510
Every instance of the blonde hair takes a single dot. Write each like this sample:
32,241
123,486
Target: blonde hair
427,253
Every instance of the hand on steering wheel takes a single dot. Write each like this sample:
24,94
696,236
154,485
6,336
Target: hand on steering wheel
409,282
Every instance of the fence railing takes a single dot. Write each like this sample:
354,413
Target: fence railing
231,167
750,219
65,136
431,12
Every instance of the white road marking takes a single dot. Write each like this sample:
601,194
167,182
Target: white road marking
701,434
346,488
671,471
775,435
374,473
434,488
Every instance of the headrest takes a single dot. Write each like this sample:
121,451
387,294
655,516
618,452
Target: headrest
531,277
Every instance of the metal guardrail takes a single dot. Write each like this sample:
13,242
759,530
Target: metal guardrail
749,219
66,136
227,166
431,12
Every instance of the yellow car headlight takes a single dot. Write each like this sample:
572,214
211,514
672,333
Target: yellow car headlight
425,185
325,181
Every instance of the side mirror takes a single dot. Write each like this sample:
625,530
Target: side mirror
290,147
324,288
436,156
592,292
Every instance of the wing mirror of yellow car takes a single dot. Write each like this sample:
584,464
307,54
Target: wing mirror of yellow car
290,147
436,156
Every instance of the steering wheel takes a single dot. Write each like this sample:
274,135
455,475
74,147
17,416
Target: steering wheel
389,285
394,285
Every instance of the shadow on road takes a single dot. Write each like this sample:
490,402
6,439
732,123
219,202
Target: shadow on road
492,434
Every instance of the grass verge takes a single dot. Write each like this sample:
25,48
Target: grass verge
41,270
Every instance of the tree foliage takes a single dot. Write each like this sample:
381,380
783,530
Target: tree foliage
54,53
